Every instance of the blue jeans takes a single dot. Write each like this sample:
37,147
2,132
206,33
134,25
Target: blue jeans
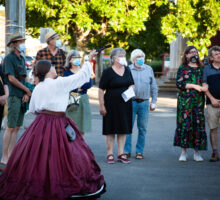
142,111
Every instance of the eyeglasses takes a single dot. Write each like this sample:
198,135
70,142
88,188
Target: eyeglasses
192,52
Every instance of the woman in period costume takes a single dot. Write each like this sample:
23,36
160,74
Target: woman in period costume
45,164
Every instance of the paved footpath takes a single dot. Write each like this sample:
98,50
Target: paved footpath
159,176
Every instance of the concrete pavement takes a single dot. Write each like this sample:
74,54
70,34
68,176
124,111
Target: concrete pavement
159,176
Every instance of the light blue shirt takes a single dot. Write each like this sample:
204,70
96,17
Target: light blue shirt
145,83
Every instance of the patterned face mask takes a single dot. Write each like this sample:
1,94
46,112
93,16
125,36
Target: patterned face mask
194,59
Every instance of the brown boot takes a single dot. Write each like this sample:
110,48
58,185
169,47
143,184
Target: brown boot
214,157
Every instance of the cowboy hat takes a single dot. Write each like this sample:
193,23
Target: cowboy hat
15,37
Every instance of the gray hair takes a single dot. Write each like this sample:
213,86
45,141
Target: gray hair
12,47
71,54
114,54
135,53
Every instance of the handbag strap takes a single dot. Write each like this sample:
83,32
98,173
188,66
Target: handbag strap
74,98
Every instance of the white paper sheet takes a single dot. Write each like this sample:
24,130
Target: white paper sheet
128,94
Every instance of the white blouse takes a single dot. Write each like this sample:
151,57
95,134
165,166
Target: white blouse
53,94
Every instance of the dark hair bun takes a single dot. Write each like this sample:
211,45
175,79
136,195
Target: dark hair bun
42,68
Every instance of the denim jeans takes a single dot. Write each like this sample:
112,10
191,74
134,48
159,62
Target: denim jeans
142,111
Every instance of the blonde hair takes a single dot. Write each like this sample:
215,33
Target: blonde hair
135,53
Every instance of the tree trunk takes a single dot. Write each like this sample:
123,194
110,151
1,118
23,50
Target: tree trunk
99,67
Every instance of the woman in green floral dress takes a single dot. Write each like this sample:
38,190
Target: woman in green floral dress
190,131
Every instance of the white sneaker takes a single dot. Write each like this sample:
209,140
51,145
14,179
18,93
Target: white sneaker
182,157
197,157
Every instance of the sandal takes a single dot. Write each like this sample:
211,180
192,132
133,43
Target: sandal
110,159
139,156
123,158
128,155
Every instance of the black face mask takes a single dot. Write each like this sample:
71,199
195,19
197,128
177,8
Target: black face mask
194,59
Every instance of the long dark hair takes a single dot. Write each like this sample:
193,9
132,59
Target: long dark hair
41,69
185,61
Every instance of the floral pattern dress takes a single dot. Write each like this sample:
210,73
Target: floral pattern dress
190,131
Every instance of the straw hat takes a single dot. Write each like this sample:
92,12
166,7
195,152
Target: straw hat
15,37
50,35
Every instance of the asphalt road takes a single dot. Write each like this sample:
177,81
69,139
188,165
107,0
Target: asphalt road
159,176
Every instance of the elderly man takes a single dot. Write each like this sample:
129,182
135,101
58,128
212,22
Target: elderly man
15,72
52,52
145,87
211,77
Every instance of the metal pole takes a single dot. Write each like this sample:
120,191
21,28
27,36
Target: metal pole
15,19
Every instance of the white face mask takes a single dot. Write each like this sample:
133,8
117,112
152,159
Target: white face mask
122,61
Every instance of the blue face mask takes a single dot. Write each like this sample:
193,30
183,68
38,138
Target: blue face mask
140,61
76,62
21,48
58,43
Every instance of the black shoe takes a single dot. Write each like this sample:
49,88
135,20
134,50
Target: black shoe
91,196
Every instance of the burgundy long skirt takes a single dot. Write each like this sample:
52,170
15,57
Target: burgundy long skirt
45,165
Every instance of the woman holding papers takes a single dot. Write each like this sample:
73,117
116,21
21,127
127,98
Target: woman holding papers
116,111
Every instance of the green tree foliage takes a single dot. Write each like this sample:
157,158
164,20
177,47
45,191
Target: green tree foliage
2,2
89,22
151,40
126,23
196,20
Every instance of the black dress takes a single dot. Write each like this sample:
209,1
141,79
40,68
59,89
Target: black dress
118,119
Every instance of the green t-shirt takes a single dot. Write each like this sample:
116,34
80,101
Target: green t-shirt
15,66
